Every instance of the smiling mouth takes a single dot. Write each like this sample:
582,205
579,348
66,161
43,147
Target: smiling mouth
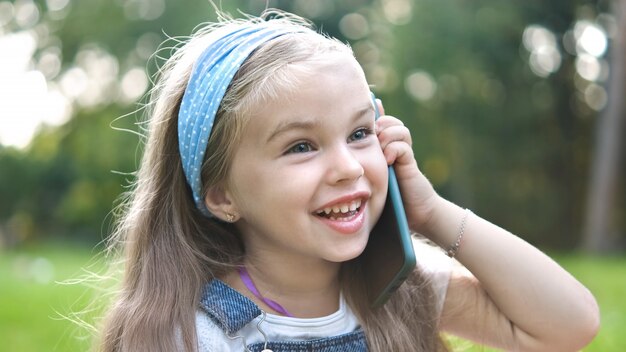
339,212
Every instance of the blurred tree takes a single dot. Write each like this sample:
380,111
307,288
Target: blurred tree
600,223
499,113
65,181
489,132
496,129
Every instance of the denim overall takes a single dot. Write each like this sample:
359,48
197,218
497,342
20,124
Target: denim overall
231,311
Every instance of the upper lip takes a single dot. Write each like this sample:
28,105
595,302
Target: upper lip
348,198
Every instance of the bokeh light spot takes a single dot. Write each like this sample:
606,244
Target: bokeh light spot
437,169
595,97
588,67
420,85
57,5
6,12
590,39
134,84
545,57
353,26
397,12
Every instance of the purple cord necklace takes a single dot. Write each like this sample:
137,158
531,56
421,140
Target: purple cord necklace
247,280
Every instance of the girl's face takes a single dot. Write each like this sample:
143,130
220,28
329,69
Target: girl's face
309,178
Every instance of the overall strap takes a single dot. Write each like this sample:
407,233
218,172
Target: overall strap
351,342
229,309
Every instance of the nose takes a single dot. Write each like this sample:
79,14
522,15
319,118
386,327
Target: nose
344,165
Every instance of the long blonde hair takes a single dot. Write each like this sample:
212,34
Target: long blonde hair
170,250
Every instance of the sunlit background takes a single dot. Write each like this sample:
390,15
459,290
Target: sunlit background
516,111
38,86
443,67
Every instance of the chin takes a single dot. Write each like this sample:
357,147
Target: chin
347,254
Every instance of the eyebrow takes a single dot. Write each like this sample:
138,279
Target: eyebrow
307,124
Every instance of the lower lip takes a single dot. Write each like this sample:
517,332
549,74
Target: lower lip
354,224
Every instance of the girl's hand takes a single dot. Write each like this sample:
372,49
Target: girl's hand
418,195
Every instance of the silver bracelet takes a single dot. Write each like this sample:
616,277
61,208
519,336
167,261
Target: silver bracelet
454,249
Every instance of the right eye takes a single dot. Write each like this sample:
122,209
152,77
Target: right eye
300,147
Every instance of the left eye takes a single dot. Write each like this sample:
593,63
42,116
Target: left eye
301,147
359,134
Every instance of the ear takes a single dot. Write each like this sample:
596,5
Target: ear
220,202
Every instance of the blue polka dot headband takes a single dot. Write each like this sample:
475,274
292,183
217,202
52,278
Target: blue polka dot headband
210,77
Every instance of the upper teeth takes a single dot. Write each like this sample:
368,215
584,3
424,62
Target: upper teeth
342,208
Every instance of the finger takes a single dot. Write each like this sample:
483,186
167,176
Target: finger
398,152
395,133
387,121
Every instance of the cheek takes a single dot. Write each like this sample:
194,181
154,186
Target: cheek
376,168
258,189
377,173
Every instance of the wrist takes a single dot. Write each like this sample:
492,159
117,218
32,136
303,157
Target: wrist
423,215
446,222
454,248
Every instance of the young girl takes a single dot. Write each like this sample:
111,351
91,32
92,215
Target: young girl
263,174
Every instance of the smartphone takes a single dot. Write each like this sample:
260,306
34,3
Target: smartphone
389,257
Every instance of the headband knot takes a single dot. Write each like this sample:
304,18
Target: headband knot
210,77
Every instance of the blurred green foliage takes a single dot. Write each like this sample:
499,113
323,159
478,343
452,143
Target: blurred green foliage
512,145
63,183
496,144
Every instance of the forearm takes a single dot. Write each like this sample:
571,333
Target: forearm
532,291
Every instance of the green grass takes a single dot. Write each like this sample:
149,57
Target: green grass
36,303
34,306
